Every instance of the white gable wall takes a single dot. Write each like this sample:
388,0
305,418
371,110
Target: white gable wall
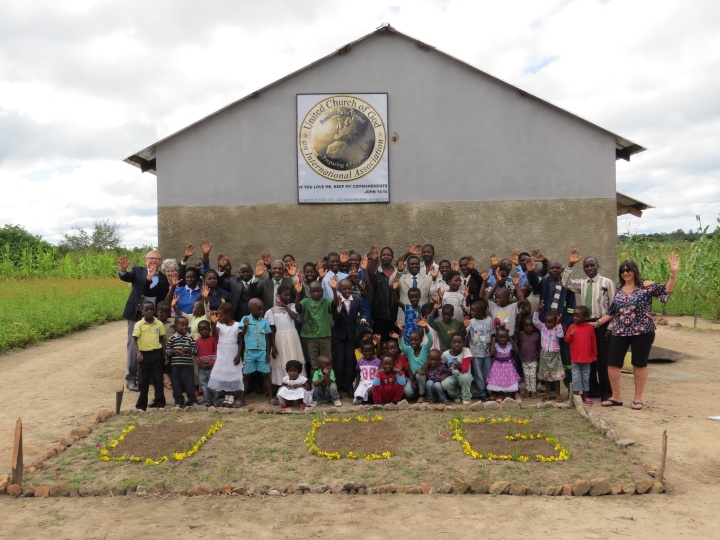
462,136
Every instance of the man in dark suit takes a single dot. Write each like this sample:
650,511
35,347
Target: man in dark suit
266,288
148,284
238,286
346,307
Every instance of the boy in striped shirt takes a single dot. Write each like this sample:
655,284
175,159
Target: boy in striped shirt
182,353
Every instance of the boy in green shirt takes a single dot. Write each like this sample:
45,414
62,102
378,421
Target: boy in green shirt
316,321
446,327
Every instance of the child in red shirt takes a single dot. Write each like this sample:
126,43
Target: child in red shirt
583,351
401,362
388,383
207,352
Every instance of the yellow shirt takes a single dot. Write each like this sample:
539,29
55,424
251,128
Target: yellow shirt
148,334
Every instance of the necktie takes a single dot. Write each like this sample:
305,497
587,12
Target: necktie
414,281
589,295
275,288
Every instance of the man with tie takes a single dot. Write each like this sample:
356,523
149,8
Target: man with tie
148,284
238,286
596,293
412,278
266,288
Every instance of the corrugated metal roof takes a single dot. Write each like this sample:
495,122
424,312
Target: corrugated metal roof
145,159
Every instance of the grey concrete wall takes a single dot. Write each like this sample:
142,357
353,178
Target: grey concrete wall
478,228
462,136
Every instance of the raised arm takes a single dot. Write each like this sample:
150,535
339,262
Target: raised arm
298,295
396,292
674,263
336,297
123,273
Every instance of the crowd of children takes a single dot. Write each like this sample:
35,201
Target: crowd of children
361,325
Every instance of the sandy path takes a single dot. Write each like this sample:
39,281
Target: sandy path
55,386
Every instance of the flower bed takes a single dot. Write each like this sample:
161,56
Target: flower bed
459,431
317,424
177,456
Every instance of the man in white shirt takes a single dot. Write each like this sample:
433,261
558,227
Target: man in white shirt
333,262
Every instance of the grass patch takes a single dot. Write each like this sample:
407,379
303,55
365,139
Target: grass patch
240,454
56,307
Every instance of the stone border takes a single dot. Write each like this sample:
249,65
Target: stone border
594,488
605,430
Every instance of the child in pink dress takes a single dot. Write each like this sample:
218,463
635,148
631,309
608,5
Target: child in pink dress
503,378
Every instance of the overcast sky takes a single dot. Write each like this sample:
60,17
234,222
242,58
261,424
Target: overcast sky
84,84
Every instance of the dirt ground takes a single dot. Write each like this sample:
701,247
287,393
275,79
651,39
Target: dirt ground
57,385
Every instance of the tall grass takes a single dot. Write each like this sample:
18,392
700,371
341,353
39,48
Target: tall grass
697,291
33,311
32,263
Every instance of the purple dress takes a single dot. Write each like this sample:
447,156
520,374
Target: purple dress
503,377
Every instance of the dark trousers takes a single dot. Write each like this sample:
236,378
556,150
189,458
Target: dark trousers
565,357
384,327
599,380
344,363
150,370
183,380
131,367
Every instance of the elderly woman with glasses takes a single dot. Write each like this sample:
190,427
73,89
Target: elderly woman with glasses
633,326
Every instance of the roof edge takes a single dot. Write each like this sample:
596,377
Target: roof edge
145,159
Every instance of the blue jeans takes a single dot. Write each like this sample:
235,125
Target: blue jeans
408,392
480,370
326,392
433,389
420,380
581,377
210,396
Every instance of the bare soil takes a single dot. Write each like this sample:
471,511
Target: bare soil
152,441
492,438
55,386
359,437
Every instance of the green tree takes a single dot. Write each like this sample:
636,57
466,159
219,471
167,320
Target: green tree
106,236
14,240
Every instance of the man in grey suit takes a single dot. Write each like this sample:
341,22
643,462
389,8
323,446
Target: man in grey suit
148,284
413,278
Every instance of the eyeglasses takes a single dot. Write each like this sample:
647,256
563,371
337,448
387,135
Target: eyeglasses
626,271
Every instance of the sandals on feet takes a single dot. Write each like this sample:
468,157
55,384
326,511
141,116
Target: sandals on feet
611,403
637,405
559,398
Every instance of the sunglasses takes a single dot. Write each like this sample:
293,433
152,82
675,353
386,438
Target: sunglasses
626,271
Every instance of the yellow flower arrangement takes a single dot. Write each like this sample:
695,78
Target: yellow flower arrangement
316,424
458,431
177,456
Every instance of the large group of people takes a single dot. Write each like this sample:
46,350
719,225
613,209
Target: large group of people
379,328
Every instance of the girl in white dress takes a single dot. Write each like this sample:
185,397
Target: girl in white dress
295,389
226,375
281,319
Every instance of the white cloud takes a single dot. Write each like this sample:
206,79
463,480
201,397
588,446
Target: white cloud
85,83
